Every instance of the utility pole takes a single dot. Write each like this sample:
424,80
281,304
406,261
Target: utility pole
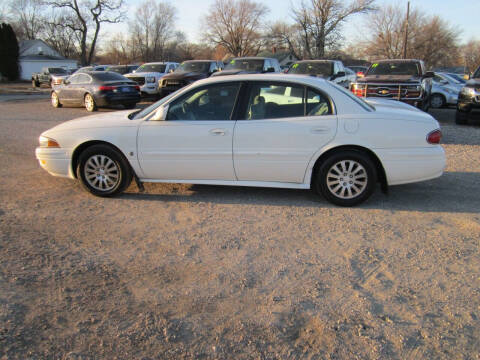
406,32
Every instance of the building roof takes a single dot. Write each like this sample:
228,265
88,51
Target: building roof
44,58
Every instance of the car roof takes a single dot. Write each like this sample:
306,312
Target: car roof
316,61
396,60
251,58
159,63
280,77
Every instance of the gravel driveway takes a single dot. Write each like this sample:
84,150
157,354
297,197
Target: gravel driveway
204,272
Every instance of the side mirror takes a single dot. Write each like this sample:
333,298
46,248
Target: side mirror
214,71
269,70
429,74
340,74
160,113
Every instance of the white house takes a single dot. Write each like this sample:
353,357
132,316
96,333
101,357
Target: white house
36,54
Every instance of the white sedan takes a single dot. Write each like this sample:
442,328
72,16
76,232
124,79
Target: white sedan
284,131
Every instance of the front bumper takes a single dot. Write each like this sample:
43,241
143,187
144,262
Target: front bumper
403,166
468,102
55,160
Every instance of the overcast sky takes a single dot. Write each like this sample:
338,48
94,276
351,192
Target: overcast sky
462,14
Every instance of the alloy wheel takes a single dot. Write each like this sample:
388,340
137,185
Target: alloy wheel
347,179
101,172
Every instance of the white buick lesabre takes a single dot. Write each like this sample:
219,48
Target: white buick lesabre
271,130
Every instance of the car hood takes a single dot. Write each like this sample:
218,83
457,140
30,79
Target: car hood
110,119
473,83
389,79
185,75
144,74
234,72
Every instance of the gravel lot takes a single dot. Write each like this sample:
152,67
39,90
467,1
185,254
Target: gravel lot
203,272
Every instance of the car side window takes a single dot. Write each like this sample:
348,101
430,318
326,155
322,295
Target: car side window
273,101
83,79
74,79
317,104
211,102
213,67
266,65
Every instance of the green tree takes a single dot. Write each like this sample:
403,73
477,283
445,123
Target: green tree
8,52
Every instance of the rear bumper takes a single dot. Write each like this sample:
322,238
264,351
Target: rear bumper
55,161
116,99
403,166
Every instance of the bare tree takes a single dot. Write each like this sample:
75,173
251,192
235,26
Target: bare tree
29,18
285,36
429,38
471,55
320,21
85,16
152,28
235,25
61,38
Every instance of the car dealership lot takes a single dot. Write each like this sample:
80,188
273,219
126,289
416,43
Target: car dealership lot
185,271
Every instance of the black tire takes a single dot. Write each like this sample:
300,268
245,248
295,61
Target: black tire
35,84
363,171
90,103
113,163
437,101
55,101
129,106
461,117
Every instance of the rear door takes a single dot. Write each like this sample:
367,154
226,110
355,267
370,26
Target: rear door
283,127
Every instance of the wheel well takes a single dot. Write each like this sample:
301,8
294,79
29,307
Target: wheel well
443,96
79,149
382,178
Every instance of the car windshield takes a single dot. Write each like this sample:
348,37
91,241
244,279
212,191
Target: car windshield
108,76
118,69
160,68
452,79
57,71
154,106
476,74
324,68
194,66
83,69
394,68
459,78
243,64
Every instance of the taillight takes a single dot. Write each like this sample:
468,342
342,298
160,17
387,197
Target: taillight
137,87
360,74
107,88
434,137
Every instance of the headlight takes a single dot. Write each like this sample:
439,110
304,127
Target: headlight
468,91
47,142
151,79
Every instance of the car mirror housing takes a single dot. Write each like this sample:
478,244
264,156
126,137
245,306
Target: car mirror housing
160,114
340,74
429,74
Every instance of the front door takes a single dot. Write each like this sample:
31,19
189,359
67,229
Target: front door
285,125
195,140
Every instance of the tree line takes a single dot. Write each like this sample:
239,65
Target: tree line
313,30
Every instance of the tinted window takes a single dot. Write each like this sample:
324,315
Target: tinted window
74,79
394,68
118,69
57,71
152,68
245,64
194,66
273,101
212,102
108,76
312,68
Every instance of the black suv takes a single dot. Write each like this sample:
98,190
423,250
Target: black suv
469,98
397,79
186,73
250,65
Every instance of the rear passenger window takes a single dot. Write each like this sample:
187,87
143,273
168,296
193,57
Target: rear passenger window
317,104
269,101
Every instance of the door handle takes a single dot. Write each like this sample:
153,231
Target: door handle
218,132
320,130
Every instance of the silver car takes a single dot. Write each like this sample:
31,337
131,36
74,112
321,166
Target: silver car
445,90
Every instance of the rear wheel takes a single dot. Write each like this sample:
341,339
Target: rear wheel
103,171
437,101
89,102
346,178
35,84
55,101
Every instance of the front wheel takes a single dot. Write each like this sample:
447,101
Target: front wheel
437,101
103,171
89,102
55,101
35,84
346,178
